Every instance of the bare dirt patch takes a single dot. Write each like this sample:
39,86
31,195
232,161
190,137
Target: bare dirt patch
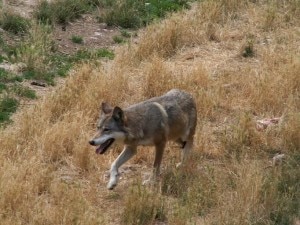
94,35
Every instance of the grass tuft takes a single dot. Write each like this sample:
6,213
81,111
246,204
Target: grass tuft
118,39
143,207
24,92
77,39
14,23
63,11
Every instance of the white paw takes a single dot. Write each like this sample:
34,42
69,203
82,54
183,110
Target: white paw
178,165
148,182
112,182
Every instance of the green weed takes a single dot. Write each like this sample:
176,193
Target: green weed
77,39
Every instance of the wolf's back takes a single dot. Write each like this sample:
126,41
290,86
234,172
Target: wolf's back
181,110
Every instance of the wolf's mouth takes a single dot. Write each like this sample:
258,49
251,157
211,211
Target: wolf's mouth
103,147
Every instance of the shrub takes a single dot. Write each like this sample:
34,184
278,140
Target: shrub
14,23
68,10
126,13
63,11
44,12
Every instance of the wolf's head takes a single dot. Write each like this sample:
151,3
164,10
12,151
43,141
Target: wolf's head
110,128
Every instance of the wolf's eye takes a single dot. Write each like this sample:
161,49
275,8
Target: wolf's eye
105,129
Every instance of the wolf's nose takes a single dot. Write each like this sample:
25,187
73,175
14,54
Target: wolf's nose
92,142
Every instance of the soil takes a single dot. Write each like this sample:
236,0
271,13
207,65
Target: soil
94,34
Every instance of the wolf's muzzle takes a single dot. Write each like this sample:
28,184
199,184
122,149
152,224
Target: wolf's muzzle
92,142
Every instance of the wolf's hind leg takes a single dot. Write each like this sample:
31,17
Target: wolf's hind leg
125,155
186,151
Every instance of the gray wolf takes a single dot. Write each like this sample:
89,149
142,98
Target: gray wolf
172,116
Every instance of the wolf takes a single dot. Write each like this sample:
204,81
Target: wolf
172,116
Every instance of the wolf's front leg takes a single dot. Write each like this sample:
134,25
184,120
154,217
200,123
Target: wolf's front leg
126,154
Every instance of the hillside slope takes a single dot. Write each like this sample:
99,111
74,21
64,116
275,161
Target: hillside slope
241,61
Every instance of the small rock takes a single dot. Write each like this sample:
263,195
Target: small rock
264,123
98,34
277,159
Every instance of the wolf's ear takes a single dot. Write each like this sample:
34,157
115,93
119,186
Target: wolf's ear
106,108
118,114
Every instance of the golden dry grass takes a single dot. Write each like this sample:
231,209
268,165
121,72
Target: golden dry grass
50,175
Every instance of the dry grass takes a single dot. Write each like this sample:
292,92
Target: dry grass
49,174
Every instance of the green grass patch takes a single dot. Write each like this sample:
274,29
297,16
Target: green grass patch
82,55
2,87
126,34
22,91
2,58
134,14
7,77
77,39
62,63
118,39
8,106
63,11
44,12
48,77
104,53
14,23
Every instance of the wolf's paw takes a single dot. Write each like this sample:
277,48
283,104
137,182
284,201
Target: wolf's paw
178,165
151,181
111,186
112,183
147,182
